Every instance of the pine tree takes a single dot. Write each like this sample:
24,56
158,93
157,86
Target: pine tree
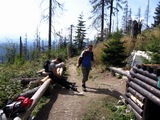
114,52
80,32
157,16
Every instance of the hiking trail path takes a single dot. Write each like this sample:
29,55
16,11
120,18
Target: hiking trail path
63,105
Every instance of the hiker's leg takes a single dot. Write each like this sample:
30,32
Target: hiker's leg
85,74
71,83
58,80
67,84
62,81
53,77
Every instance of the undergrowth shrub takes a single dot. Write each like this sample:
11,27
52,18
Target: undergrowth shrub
114,52
8,87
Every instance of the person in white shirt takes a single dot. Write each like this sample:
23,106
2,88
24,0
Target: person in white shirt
56,77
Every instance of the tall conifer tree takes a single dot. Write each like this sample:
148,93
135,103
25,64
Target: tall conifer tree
157,16
80,32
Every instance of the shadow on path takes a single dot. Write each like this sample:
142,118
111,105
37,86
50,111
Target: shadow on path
43,114
105,91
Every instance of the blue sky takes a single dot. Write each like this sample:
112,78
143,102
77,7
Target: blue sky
19,17
136,4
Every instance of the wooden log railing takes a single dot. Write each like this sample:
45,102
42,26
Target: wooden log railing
134,106
146,86
118,70
136,100
36,97
142,86
145,73
143,78
29,93
136,94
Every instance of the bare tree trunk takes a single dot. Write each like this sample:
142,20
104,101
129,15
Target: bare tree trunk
110,19
147,13
21,47
50,27
70,44
102,21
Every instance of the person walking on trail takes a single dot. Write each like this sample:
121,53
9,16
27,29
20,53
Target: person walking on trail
85,61
56,77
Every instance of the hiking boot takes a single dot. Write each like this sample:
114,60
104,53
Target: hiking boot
75,89
84,89
73,84
83,85
71,92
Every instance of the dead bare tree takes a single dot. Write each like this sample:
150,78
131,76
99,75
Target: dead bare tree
53,5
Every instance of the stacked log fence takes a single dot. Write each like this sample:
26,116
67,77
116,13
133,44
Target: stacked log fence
143,91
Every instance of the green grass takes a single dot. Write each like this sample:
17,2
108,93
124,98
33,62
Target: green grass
107,109
42,102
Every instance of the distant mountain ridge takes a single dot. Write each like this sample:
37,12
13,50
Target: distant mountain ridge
4,45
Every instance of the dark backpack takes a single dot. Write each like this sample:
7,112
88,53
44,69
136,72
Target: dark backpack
46,65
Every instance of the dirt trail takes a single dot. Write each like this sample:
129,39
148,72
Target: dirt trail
64,105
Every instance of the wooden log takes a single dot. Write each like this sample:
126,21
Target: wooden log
146,86
30,79
152,68
44,79
116,70
144,67
137,101
36,82
29,93
134,106
145,73
144,92
143,78
157,71
138,116
26,81
137,94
